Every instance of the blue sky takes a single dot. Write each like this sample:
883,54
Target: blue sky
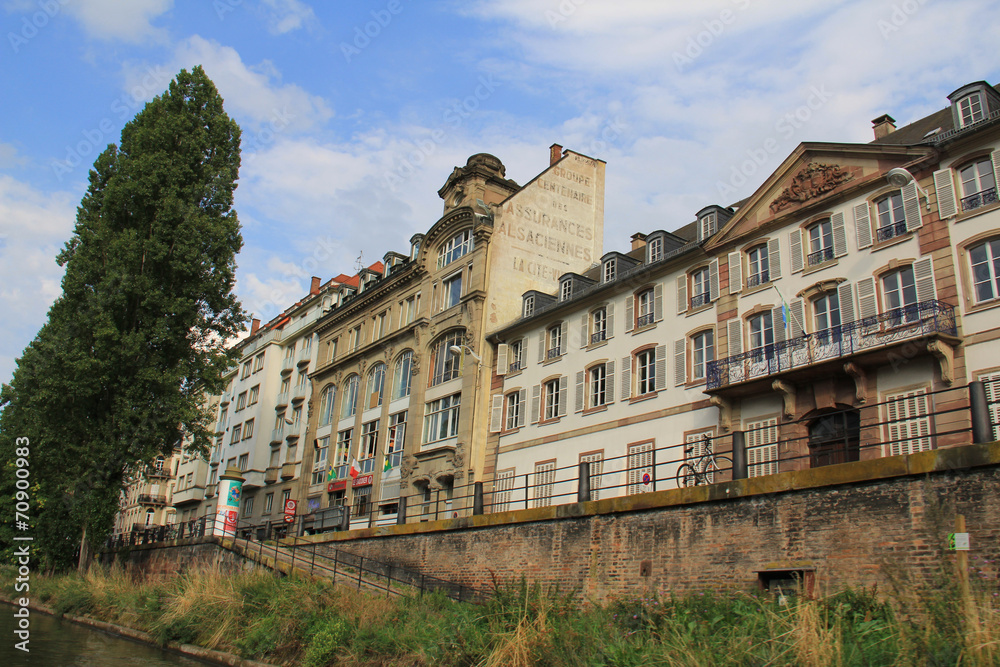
354,113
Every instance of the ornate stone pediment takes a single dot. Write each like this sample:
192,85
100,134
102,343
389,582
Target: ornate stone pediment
812,181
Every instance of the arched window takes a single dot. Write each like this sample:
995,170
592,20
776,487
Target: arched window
979,184
835,437
758,266
374,385
455,247
446,365
820,239
350,404
891,216
402,373
326,405
985,260
702,353
899,296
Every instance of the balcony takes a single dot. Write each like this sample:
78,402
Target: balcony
277,436
979,199
872,336
300,392
890,231
226,399
304,356
288,470
253,479
287,364
148,499
553,353
271,475
761,278
597,337
210,490
820,256
192,494
699,300
282,400
644,320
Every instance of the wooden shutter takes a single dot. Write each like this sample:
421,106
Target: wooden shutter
626,378
503,355
908,422
522,406
734,336
911,207
502,487
536,402
923,276
867,303
845,297
735,272
609,381
563,396
778,323
563,340
580,388
863,225
762,447
545,475
629,312
795,247
542,335
713,280
682,293
680,361
796,316
658,302
774,258
585,330
610,320
995,158
991,381
944,186
596,462
839,235
496,418
640,462
661,368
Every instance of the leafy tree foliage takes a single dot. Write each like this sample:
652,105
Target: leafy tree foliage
115,376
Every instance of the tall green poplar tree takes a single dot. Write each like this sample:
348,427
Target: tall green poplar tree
114,377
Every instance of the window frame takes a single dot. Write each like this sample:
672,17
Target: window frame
647,380
890,223
707,358
513,407
703,298
821,248
402,375
449,299
973,98
597,386
349,397
448,368
442,415
554,341
456,247
598,328
375,376
645,314
993,267
515,355
551,400
609,271
969,201
762,260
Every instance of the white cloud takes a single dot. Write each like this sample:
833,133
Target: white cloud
288,15
128,21
9,157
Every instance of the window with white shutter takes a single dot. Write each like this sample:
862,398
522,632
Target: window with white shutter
991,381
762,447
795,248
596,461
863,225
682,294
774,258
907,422
543,479
640,463
944,187
496,416
503,484
735,272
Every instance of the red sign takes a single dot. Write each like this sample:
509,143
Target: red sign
290,507
362,480
339,485
289,518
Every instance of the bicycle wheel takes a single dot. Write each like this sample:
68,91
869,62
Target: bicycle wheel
687,476
719,464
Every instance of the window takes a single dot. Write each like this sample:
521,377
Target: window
369,441
254,394
362,501
247,367
979,185
241,401
514,410
408,310
654,250
707,225
891,217
503,484
395,438
296,418
762,447
236,434
374,385
826,317
970,109
529,306
700,287
344,443
899,296
985,260
820,242
285,495
379,325
703,353
459,245
515,355
258,362
640,468
248,506
441,418
248,429
244,462
446,365
350,399
757,262
645,372
597,386
544,477
644,308
354,338
908,422
609,270
320,462
598,325
290,353
553,399
553,338
451,291
761,331
402,373
326,400
268,503
596,461
566,290
286,386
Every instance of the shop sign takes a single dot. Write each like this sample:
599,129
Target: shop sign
362,480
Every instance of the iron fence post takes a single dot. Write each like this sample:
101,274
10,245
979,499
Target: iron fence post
361,564
345,522
739,455
583,487
401,511
982,429
477,499
653,469
525,490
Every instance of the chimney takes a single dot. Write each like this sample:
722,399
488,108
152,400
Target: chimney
555,154
884,125
254,325
638,240
314,288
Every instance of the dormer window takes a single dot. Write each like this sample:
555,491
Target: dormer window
457,246
654,250
610,270
529,306
970,109
708,224
566,290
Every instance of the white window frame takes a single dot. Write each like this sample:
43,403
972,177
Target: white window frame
699,369
402,375
609,271
992,264
455,248
597,386
552,398
441,418
645,372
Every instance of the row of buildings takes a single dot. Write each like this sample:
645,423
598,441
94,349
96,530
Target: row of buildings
822,316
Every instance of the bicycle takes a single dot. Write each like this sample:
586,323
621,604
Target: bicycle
702,469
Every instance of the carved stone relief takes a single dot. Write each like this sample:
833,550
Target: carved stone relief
811,181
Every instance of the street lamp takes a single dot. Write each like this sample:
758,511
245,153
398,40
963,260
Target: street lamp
460,350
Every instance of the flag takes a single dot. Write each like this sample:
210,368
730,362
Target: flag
331,473
354,470
388,466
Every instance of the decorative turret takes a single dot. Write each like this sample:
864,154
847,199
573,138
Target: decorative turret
483,177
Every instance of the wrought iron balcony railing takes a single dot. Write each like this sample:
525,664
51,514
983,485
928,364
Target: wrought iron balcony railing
699,300
758,279
148,499
891,231
597,337
513,366
644,320
553,353
979,199
899,324
820,256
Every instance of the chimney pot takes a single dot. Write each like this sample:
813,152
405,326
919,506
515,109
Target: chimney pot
883,126
254,325
314,288
555,153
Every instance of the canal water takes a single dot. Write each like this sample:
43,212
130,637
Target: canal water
58,643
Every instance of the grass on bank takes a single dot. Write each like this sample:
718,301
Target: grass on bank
300,622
